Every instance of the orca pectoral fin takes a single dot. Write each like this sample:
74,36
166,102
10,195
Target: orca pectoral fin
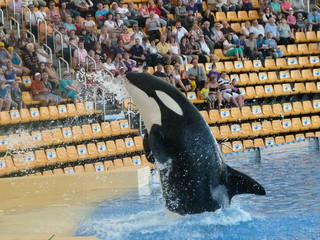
146,147
239,183
157,144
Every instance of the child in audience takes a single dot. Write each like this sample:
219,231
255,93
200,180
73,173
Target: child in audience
16,95
5,100
301,24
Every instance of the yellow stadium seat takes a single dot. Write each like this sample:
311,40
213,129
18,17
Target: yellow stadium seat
235,130
243,79
41,158
137,160
303,49
260,91
313,48
243,16
266,128
254,79
89,168
102,150
270,64
45,113
62,154
208,67
316,106
256,111
46,137
300,37
220,66
300,137
246,113
292,62
225,115
92,150
129,143
257,65
35,115
278,90
281,63
15,116
279,140
258,142
138,142
285,76
118,163
237,146
72,153
286,88
235,114
268,91
221,16
115,128
287,109
24,115
89,107
283,48
318,35
311,36
306,107
226,147
289,138
299,88
228,66
247,144
303,62
309,135
292,49
36,138
5,118
253,14
219,53
3,143
67,134
306,123
316,74
27,98
71,109
246,130
124,126
80,109
297,108
267,110
269,141
296,75
256,128
99,167
307,74
53,112
57,137
232,16
26,80
51,156
276,127
214,116
96,130
277,110
87,132
82,152
236,27
111,147
205,116
263,78
120,145
216,133
296,124
67,170
314,61
77,133
225,132
272,77
106,129
108,165
127,162
311,87
315,122
247,65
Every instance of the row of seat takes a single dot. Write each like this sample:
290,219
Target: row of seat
310,36
7,166
263,128
256,65
65,135
235,146
232,16
300,49
264,111
47,113
72,153
297,75
279,90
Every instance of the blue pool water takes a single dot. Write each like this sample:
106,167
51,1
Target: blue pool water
290,210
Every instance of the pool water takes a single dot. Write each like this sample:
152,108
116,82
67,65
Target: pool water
290,210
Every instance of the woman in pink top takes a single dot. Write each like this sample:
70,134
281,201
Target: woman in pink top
52,11
285,6
291,20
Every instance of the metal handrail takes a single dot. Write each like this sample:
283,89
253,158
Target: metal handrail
32,35
18,25
59,62
54,41
70,51
45,46
23,20
2,16
94,62
45,30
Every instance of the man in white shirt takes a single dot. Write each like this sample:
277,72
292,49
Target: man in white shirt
31,20
257,29
206,50
179,31
124,13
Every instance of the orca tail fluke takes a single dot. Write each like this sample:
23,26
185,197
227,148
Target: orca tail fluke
240,183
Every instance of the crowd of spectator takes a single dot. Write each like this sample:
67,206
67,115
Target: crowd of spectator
159,33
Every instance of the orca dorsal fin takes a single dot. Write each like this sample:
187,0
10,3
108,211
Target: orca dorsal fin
239,183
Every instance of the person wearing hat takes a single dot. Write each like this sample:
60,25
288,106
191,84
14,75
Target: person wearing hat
39,90
4,55
68,88
314,20
5,100
30,58
17,63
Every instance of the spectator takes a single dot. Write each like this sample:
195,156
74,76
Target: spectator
16,95
137,33
137,52
144,12
247,5
211,92
69,26
180,75
23,41
160,73
89,24
218,35
53,98
272,46
231,49
175,49
285,6
179,32
131,65
164,50
31,19
100,14
226,90
83,6
15,9
196,73
4,55
135,15
275,7
206,50
5,100
153,56
42,55
251,49
80,55
52,12
39,90
314,20
291,20
301,23
52,74
286,36
152,27
68,88
262,45
257,29
267,15
186,49
245,30
273,28
110,66
17,62
298,6
10,74
180,12
30,58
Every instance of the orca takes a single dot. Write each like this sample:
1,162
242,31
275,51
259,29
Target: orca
193,175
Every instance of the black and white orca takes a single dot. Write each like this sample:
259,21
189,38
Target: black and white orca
193,175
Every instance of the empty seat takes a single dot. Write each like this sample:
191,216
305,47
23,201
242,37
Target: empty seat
111,147
226,147
96,130
256,128
220,17
225,131
276,127
138,142
62,154
281,63
130,146
92,150
137,160
106,129
235,130
269,141
46,137
232,16
216,133
307,107
296,124
102,150
279,140
35,115
287,109
118,163
300,137
300,37
127,162
124,126
108,165
120,146
306,123
77,133
41,158
267,128
62,110
99,167
256,111
289,138
258,142
51,156
24,115
44,113
315,122
53,112
293,62
248,144
237,146
87,132
15,116
292,49
303,49
115,128
72,153
71,109
297,108
243,16
82,152
311,36
67,134
57,136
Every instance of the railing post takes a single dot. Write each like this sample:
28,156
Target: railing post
54,41
94,62
77,48
49,49
22,17
2,16
18,25
67,64
32,35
